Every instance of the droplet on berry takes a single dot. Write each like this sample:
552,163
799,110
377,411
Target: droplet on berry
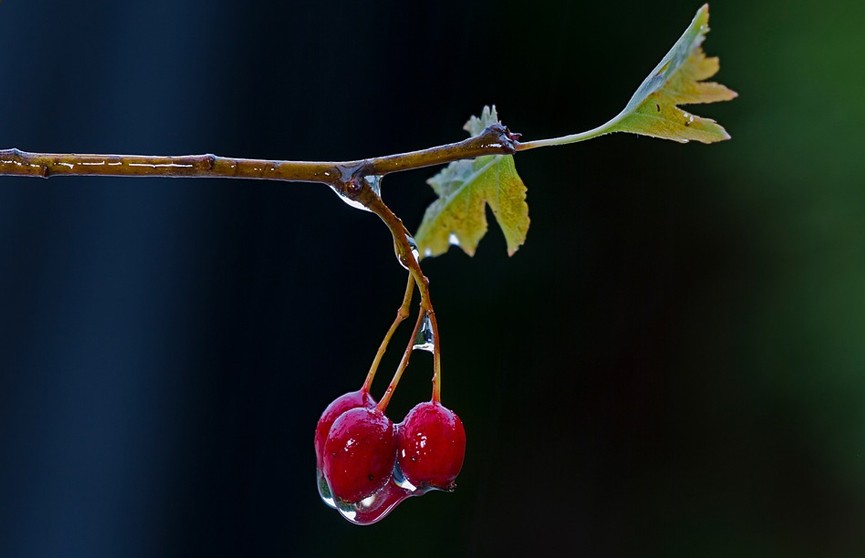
341,404
323,488
402,482
376,506
359,454
431,446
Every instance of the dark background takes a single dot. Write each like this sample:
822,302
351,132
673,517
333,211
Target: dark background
673,365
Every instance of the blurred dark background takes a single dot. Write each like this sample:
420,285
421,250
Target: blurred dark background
673,365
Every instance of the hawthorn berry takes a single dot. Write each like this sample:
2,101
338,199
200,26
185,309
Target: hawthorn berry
431,446
343,403
359,454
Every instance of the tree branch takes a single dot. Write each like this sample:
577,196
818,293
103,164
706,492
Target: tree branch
494,140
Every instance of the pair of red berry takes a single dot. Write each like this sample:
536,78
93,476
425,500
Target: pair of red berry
367,465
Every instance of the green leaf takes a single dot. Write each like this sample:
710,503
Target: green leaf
465,188
677,80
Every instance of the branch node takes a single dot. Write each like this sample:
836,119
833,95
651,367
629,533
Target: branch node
498,137
211,160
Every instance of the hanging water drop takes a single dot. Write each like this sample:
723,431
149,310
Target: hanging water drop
400,254
425,340
453,239
374,182
348,511
324,489
400,480
375,506
353,203
413,245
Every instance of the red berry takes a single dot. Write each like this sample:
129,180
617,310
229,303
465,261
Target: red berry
341,404
359,454
431,446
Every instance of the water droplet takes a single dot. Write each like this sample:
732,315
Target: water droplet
375,507
412,246
453,240
427,252
324,489
374,182
353,203
400,480
425,340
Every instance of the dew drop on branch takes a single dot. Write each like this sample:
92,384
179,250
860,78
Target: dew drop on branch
352,203
425,340
414,251
373,181
413,245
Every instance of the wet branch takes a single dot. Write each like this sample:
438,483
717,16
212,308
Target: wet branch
494,140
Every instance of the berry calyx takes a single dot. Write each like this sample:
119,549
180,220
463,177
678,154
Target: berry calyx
359,454
431,446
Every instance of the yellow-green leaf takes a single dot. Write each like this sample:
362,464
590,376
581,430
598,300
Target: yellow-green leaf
465,188
654,108
678,80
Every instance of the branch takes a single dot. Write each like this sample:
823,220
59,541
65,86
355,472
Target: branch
494,140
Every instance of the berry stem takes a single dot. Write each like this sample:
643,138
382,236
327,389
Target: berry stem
401,314
437,360
403,248
403,364
408,258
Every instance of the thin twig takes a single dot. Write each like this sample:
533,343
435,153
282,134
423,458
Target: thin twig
403,364
401,314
